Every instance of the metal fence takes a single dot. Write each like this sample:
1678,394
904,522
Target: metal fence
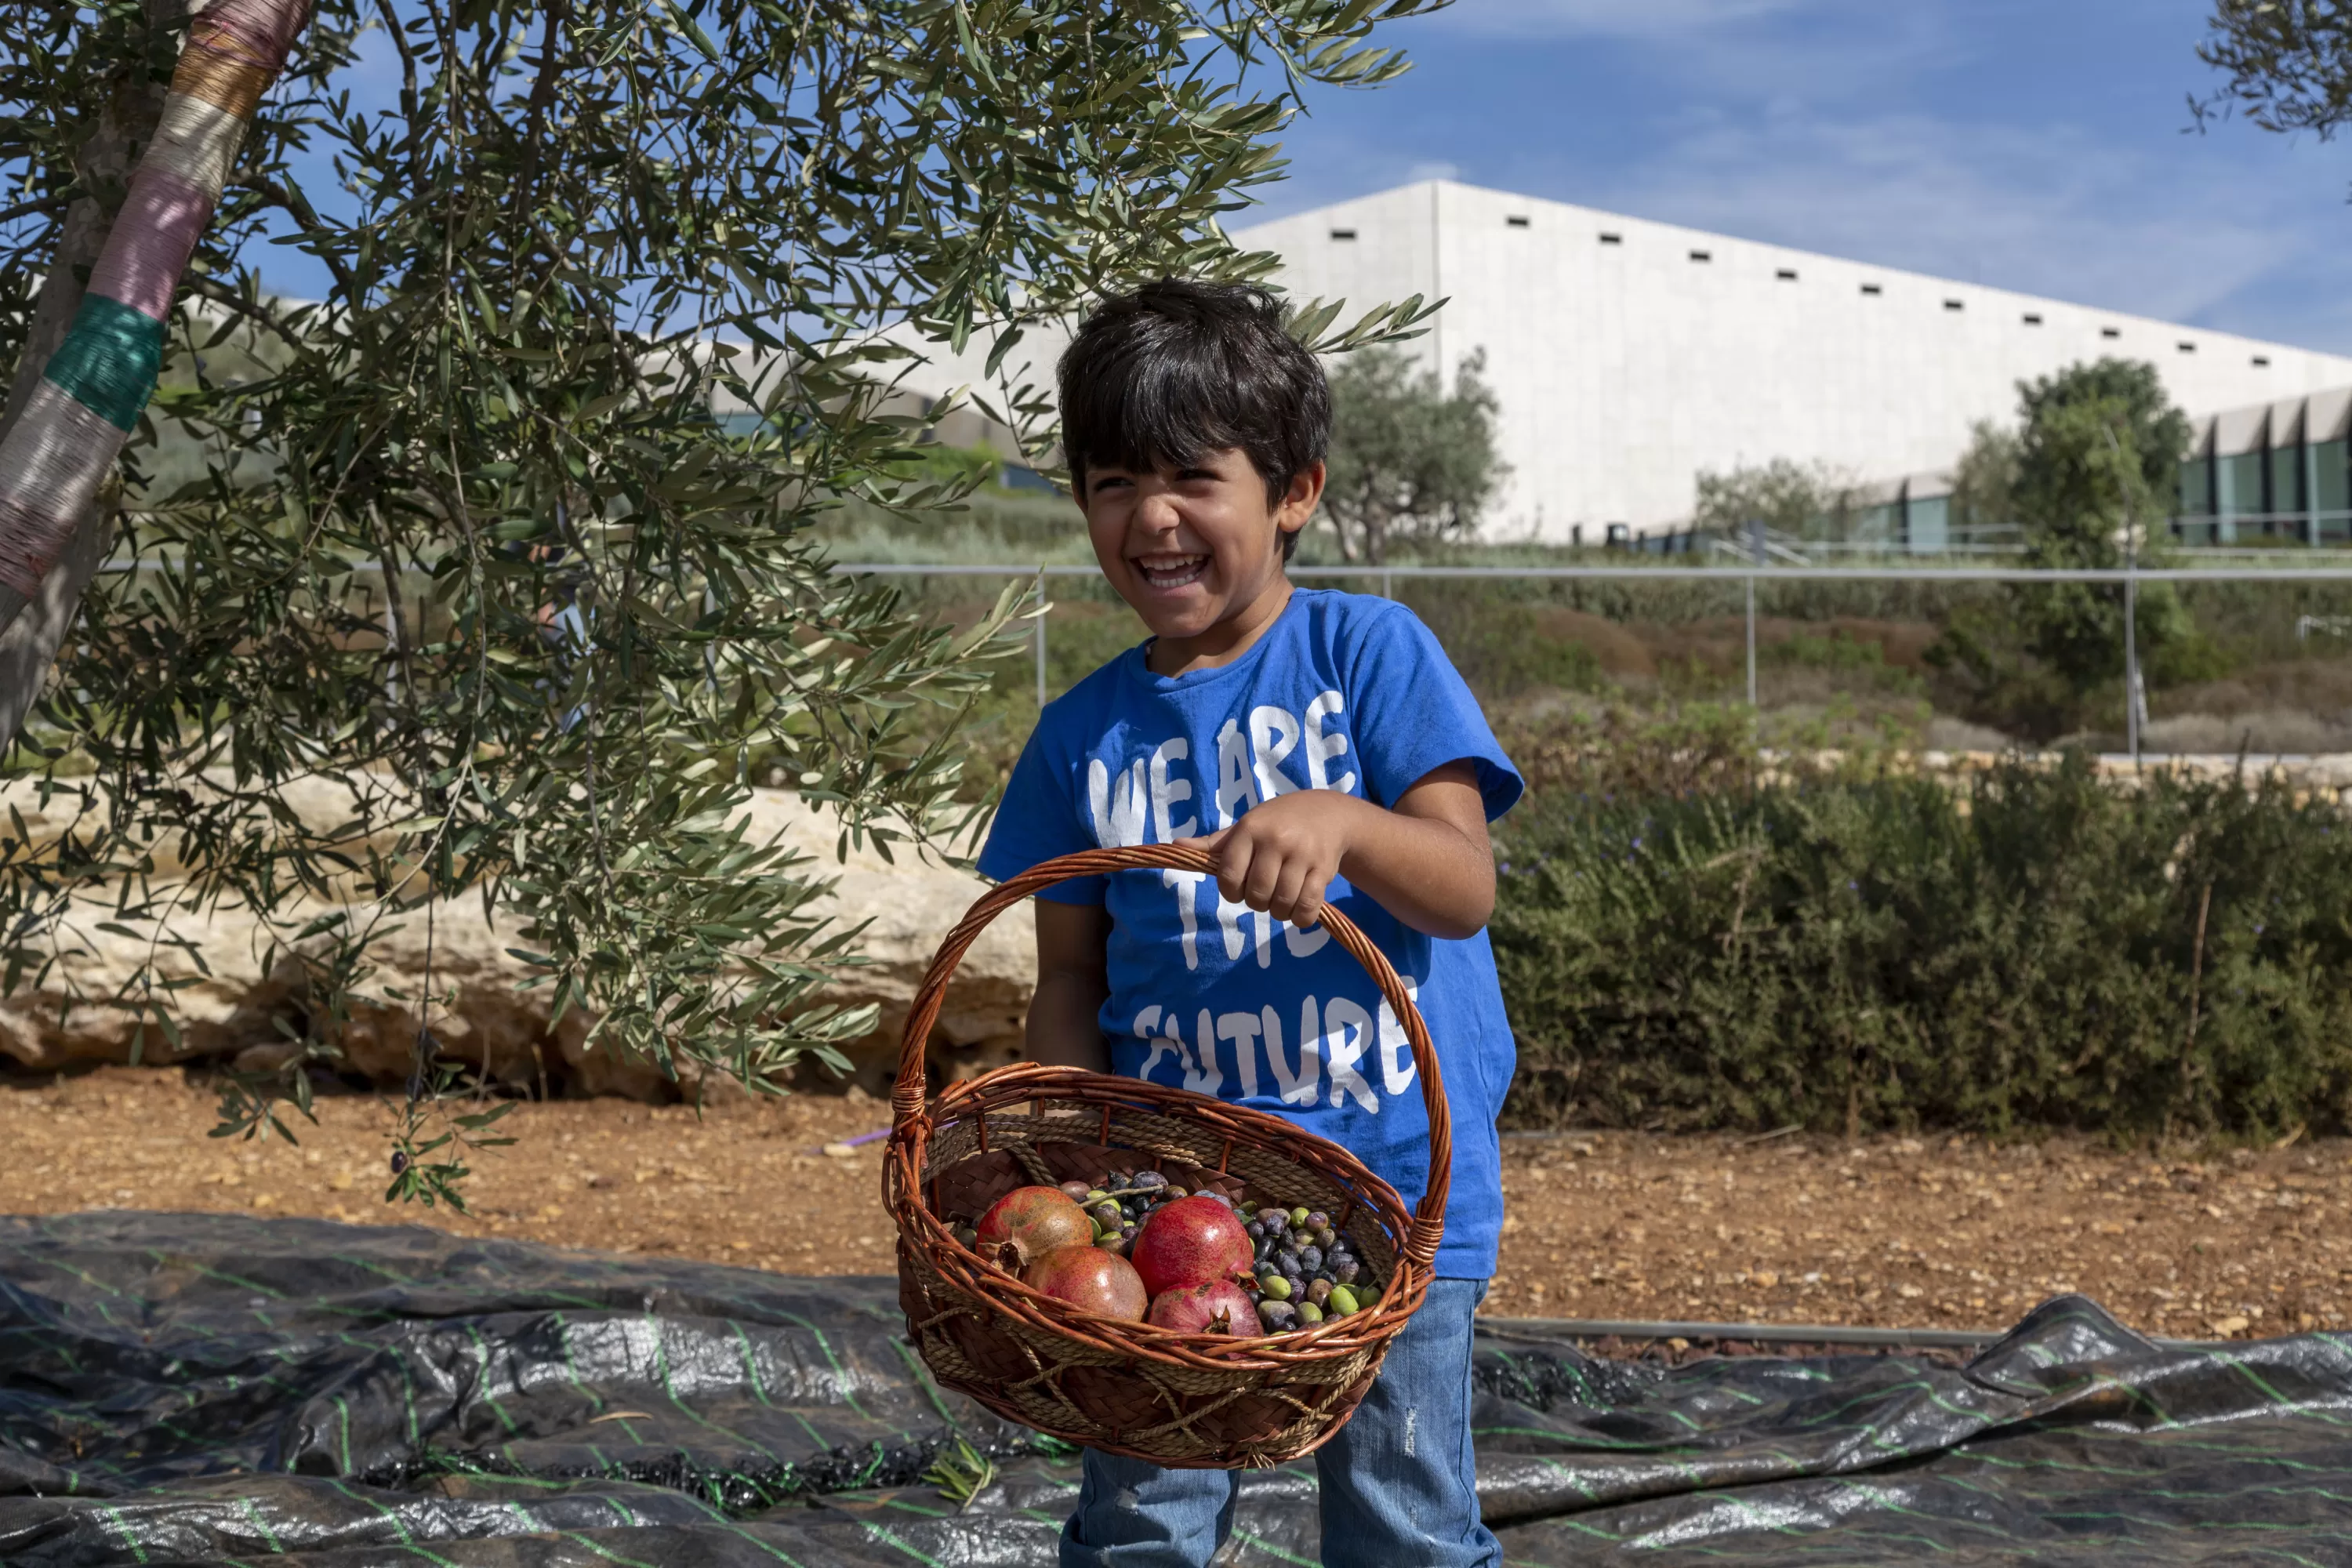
2129,578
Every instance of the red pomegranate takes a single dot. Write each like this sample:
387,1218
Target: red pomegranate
1091,1280
1032,1220
1220,1307
1191,1242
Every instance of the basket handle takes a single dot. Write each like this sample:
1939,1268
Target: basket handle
908,1097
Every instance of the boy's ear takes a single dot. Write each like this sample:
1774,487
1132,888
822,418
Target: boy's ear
1300,499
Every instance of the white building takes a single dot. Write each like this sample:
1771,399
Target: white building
1629,356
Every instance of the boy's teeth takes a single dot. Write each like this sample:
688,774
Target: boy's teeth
1173,574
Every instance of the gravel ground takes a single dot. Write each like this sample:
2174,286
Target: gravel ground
1948,1233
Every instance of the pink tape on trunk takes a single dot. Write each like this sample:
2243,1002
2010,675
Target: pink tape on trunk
258,32
154,234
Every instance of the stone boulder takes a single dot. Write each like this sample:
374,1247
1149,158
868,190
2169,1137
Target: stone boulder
217,989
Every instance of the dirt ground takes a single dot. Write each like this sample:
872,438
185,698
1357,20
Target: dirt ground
1948,1233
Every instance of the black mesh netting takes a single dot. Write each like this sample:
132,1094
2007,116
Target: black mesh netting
182,1389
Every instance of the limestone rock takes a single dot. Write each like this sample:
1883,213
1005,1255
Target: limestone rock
232,992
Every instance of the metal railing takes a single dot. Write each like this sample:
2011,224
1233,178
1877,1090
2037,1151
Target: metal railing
2128,577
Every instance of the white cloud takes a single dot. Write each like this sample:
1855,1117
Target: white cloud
2040,209
1740,50
1617,18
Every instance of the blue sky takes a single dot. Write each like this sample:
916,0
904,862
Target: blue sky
2044,145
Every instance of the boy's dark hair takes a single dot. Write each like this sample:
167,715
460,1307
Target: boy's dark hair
1177,369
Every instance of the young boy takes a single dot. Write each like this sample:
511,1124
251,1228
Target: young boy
1322,748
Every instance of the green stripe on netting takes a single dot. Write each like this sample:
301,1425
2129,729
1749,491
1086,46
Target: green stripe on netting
877,1532
606,1553
130,1536
109,360
268,1535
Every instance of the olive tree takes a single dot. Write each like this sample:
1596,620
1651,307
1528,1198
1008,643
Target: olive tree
471,550
2083,476
1409,459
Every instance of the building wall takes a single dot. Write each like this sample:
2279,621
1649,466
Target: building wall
1624,367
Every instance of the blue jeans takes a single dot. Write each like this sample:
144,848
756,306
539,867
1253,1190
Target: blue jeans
1397,1485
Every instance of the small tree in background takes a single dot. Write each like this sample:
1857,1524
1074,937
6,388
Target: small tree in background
2099,452
1409,459
1799,501
2087,471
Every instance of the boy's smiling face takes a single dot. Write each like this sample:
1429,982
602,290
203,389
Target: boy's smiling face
1197,549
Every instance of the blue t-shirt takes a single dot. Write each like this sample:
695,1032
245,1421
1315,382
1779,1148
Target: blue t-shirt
1345,693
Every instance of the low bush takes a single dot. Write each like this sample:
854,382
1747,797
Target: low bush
2038,948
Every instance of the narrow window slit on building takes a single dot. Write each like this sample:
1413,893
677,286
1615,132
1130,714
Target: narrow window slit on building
1515,220
1343,234
1955,305
1702,255
2111,332
2189,348
1613,239
1871,288
1786,275
2262,362
2033,318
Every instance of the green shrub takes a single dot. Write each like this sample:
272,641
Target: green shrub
1872,950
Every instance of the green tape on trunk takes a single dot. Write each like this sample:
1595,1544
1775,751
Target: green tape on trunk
110,360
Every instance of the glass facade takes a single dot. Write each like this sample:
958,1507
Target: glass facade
1927,524
2287,490
1879,525
2286,484
2331,492
2238,493
2195,508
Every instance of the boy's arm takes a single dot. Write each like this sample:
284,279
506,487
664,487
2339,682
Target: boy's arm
1065,1026
1427,862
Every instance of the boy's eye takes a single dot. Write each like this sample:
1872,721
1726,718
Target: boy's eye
1108,482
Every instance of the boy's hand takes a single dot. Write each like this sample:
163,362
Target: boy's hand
1426,860
1281,856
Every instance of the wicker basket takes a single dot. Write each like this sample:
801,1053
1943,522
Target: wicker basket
1200,1401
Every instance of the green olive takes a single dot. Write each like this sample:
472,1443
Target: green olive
1275,1286
1309,1312
1299,1217
1342,1302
